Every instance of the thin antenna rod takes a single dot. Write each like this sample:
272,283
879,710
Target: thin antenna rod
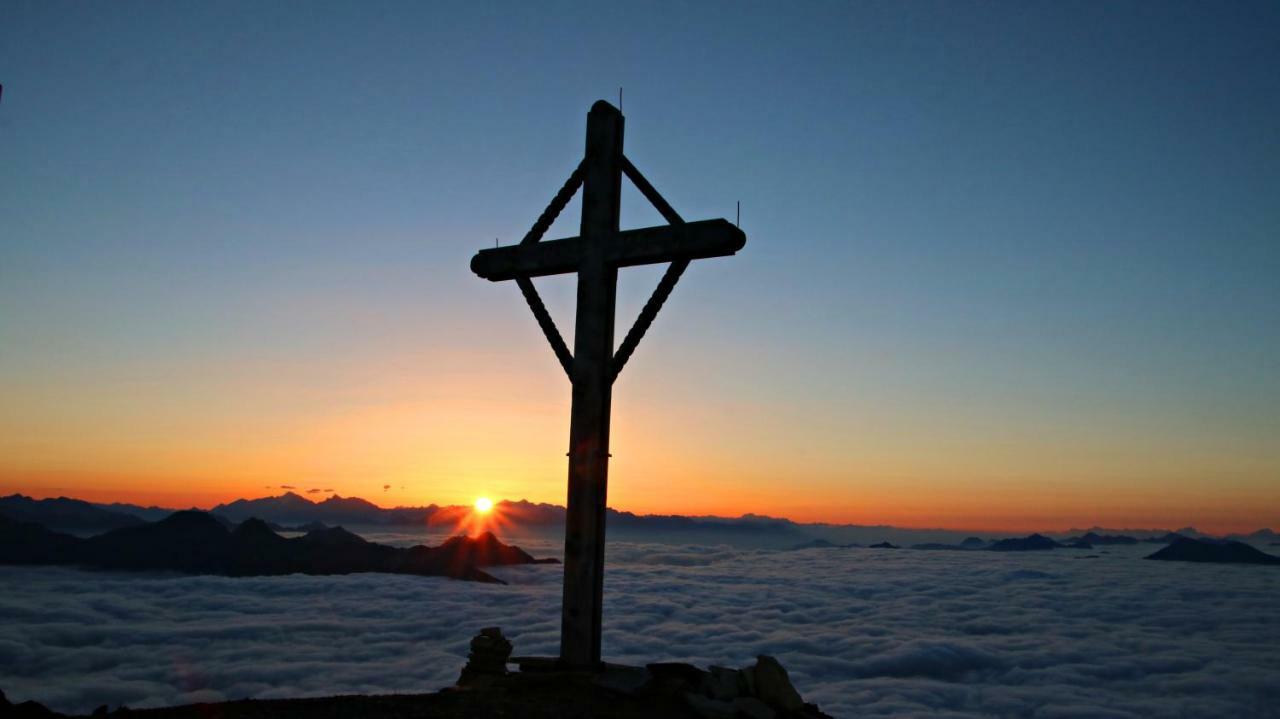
737,220
619,98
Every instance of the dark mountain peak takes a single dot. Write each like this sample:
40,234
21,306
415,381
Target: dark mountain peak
973,542
192,520
482,550
64,513
333,536
349,503
935,546
1188,549
187,516
253,528
816,544
310,527
883,545
1033,542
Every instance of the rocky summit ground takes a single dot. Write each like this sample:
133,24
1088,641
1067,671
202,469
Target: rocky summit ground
540,690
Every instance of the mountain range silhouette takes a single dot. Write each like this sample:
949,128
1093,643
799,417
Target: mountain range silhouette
293,512
196,542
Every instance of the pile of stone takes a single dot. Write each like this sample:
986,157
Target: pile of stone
670,689
488,658
760,691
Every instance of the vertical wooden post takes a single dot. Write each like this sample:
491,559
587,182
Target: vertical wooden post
580,620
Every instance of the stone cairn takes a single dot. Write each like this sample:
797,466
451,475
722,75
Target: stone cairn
760,691
488,658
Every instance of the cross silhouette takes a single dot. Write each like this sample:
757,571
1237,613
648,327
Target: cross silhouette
595,255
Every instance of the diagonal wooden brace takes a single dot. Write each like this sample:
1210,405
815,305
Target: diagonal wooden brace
650,193
669,278
554,208
547,324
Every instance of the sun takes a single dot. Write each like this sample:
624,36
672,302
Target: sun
483,505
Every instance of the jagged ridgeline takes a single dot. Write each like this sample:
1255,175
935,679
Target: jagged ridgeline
195,542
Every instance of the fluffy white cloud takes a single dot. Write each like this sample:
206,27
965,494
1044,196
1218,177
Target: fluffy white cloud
863,632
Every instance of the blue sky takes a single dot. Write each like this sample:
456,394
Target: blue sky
1043,230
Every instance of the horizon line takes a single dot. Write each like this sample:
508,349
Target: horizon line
933,528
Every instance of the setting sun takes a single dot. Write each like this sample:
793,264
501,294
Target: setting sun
483,505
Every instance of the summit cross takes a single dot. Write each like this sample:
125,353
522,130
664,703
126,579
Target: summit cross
595,255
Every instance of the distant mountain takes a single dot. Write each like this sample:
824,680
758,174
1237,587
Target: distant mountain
196,542
1034,542
294,509
937,546
1093,538
1262,536
1168,538
147,514
748,530
1208,550
883,545
64,513
823,544
30,543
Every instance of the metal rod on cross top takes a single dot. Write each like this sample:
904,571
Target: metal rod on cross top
595,255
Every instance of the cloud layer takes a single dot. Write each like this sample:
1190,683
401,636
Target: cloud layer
863,632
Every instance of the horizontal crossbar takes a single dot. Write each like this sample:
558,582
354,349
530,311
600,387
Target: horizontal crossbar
651,245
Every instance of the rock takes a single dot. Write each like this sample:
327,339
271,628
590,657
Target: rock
748,675
619,678
722,683
773,686
753,708
488,658
680,673
709,708
537,664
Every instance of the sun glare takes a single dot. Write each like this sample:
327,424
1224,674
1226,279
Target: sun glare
483,505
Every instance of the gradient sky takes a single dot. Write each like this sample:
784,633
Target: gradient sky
1009,264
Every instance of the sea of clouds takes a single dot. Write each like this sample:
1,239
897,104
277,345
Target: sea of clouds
863,632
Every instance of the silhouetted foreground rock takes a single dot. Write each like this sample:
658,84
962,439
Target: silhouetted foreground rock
540,690
195,542
1186,549
25,710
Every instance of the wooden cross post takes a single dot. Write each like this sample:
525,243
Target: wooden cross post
595,255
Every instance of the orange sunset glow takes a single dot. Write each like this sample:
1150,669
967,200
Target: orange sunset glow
1019,351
